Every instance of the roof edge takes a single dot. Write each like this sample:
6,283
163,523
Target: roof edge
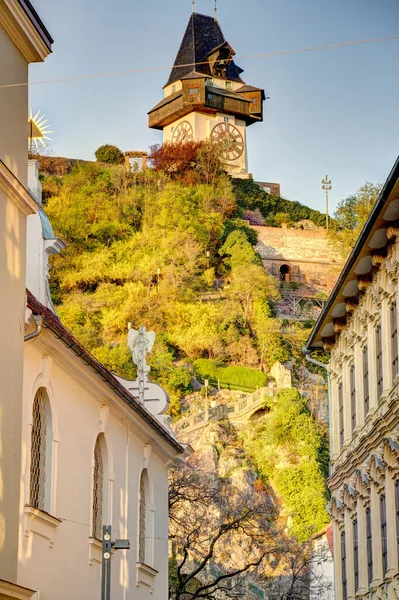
382,198
56,327
37,22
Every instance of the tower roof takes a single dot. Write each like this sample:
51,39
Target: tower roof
203,35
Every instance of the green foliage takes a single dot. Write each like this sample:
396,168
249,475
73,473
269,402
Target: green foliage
351,215
290,451
242,226
109,154
274,209
230,377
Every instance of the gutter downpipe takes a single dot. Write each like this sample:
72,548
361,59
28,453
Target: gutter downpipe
39,322
306,352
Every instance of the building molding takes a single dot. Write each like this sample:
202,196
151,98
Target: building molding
26,30
15,190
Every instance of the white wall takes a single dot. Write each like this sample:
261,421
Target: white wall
59,560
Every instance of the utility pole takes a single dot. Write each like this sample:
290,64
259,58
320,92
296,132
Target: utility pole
326,185
107,547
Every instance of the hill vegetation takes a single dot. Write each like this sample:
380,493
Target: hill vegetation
173,253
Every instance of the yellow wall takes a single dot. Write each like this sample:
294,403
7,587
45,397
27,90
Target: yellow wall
13,108
13,152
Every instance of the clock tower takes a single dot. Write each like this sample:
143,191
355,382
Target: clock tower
205,96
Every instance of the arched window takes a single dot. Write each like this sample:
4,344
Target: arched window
144,520
41,452
100,487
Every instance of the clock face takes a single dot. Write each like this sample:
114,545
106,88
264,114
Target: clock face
230,139
183,132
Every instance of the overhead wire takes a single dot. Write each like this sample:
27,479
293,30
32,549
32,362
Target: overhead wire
184,65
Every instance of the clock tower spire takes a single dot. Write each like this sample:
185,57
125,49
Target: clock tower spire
205,96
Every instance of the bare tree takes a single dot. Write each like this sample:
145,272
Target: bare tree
219,533
301,573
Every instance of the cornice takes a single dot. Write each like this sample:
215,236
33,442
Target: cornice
16,191
23,32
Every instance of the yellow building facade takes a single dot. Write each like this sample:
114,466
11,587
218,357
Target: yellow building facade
23,40
359,326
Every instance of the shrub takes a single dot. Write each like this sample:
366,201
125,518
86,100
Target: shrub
109,154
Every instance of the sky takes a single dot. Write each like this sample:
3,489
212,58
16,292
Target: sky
330,111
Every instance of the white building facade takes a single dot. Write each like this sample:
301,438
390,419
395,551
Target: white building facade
77,448
359,325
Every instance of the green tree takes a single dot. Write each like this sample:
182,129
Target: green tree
109,154
351,215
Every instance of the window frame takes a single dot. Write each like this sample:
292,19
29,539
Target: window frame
379,361
394,339
343,566
356,553
366,387
100,488
369,545
41,452
383,533
341,415
352,386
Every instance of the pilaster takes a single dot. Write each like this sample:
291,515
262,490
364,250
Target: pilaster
376,534
391,522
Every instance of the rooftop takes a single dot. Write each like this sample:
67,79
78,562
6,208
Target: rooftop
202,36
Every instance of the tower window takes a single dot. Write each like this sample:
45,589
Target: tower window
193,91
173,89
229,85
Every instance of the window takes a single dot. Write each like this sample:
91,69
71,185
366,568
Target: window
193,91
41,452
100,487
341,415
352,383
379,361
254,101
369,542
356,554
384,545
173,89
144,520
394,340
229,85
397,515
226,119
343,565
366,396
209,81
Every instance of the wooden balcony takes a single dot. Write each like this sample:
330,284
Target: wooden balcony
199,97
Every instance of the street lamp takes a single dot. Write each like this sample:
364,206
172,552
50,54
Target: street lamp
208,256
158,274
326,185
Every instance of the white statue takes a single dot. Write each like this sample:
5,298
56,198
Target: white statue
141,343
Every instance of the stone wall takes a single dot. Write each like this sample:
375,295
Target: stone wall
301,256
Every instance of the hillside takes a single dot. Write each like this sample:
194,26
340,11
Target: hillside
148,249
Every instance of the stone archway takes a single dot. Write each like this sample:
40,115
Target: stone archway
285,273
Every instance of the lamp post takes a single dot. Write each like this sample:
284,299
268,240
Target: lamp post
326,185
107,547
158,274
208,256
